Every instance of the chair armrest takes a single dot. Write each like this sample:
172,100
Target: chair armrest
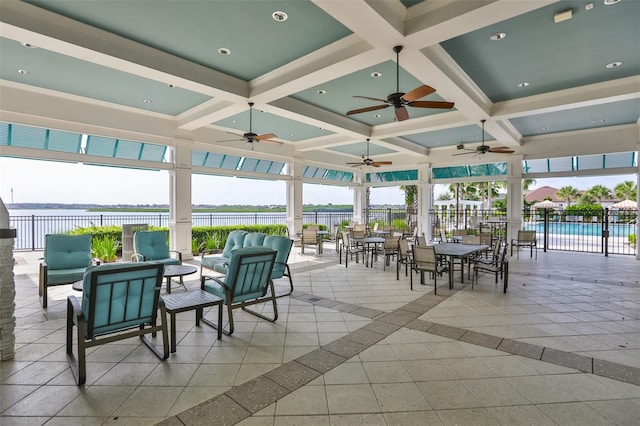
137,257
95,261
216,279
74,304
179,254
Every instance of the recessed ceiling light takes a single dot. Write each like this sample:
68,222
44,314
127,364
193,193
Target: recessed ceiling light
224,51
498,36
291,134
23,72
279,16
545,128
29,45
604,120
376,74
378,116
322,92
610,2
437,142
524,84
615,64
171,85
146,101
233,121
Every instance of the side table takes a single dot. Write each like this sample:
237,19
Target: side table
190,300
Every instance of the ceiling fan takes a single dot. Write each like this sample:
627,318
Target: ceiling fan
251,137
366,161
483,149
400,100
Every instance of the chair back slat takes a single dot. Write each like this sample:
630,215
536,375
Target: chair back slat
120,295
470,239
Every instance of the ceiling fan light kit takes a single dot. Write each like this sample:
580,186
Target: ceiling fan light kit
400,100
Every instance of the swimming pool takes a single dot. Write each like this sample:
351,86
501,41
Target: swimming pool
584,229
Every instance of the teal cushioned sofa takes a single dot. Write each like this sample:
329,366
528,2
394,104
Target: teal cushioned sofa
240,239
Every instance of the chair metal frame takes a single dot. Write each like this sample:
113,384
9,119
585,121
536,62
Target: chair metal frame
310,237
525,239
499,265
146,323
349,249
404,257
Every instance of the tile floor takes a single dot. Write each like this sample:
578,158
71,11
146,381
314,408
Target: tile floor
354,346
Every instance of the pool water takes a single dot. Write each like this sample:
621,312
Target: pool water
584,229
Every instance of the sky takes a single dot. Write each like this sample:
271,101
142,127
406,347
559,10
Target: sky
36,181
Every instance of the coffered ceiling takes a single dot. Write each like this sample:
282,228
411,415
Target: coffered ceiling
183,72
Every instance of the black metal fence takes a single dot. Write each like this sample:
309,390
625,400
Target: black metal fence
31,229
602,231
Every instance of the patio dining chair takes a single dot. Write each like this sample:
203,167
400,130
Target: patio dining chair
525,239
496,266
404,257
66,258
119,301
390,250
425,260
349,248
247,282
310,238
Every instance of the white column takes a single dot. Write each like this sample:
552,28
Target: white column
424,201
514,196
638,205
294,197
180,202
359,198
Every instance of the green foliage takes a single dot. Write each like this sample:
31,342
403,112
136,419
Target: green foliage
632,238
399,224
112,231
568,193
199,234
196,247
626,190
105,248
320,226
214,241
587,211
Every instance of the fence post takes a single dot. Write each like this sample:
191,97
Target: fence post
316,215
33,232
101,220
605,232
546,229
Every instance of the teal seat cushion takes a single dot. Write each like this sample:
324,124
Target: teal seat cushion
235,240
212,262
64,276
282,246
151,244
167,261
67,251
124,298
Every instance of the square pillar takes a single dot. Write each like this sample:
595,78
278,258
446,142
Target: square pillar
425,201
514,197
294,198
180,202
7,288
359,199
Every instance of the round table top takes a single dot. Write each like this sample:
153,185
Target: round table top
178,270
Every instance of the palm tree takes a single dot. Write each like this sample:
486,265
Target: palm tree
567,193
599,192
626,190
526,183
411,202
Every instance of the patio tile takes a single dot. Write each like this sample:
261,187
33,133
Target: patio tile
573,413
568,359
401,318
365,337
308,400
358,398
619,412
257,394
446,395
447,331
412,418
222,408
149,401
400,397
481,339
523,415
292,375
345,347
348,373
367,312
616,371
321,360
475,416
382,327
520,348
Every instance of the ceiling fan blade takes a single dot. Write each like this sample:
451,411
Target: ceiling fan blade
401,114
383,163
265,136
232,140
431,104
373,108
501,150
465,153
270,142
372,99
417,93
356,163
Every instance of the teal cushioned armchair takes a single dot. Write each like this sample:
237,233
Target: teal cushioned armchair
248,281
119,301
66,257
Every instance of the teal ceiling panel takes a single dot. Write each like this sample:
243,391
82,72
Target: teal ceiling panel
395,176
472,170
361,149
99,145
64,141
27,136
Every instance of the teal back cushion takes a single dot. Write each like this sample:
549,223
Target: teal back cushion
249,272
151,244
253,239
235,240
125,295
67,251
282,246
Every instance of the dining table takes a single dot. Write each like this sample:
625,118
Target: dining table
453,251
370,245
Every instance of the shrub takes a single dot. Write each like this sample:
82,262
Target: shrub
632,238
105,248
